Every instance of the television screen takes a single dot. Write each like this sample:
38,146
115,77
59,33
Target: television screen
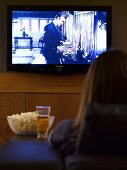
64,39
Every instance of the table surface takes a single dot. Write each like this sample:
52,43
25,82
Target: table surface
22,152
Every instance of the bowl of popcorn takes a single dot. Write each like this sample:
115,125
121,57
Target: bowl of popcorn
25,123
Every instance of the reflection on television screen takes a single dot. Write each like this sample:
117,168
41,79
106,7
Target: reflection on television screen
58,37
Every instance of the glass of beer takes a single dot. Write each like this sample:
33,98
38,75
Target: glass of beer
43,116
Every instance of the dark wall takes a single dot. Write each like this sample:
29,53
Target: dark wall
119,20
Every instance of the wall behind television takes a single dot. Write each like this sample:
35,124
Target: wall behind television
119,20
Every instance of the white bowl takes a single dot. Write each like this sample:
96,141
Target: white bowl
20,128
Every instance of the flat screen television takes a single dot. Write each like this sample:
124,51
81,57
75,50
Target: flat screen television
56,39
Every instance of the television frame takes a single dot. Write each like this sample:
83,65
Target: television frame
52,68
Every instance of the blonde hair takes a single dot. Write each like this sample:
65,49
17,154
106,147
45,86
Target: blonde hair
106,81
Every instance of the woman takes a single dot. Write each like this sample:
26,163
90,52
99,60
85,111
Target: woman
106,83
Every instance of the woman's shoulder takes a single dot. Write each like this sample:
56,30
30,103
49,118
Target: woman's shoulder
64,127
65,123
61,131
63,136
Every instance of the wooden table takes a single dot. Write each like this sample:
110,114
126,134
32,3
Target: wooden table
28,153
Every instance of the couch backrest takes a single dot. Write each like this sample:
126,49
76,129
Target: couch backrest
104,129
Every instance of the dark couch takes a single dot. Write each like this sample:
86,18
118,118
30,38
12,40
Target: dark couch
21,153
102,142
29,153
96,162
101,145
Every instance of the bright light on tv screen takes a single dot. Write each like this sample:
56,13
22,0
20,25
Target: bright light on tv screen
58,37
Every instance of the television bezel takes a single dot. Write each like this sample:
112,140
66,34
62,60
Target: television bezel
52,68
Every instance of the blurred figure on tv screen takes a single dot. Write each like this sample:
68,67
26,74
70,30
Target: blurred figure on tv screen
52,40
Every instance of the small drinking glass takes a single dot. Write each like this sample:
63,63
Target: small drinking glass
43,116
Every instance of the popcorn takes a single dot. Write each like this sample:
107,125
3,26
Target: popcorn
25,123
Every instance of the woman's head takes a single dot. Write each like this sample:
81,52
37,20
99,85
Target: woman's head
106,80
